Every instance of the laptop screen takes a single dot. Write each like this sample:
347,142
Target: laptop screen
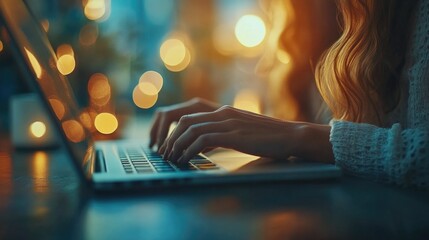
33,51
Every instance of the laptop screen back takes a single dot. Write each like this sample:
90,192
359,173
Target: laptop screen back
33,51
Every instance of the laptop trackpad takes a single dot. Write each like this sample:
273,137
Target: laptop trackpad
240,162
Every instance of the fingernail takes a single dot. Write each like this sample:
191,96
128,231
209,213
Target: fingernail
161,149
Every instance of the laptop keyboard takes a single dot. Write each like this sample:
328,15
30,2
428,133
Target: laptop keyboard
144,160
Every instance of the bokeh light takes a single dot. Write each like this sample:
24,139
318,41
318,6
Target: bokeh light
66,62
248,100
85,119
143,100
1,46
88,34
99,89
154,78
34,63
64,49
73,130
96,9
283,57
37,129
182,65
148,88
175,54
106,123
58,107
250,30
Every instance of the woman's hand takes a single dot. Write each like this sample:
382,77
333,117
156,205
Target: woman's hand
239,130
245,132
167,115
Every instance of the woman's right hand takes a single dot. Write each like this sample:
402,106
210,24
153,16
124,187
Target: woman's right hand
165,116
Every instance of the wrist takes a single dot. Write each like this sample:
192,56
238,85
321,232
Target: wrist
313,142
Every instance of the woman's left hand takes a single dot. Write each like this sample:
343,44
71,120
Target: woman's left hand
234,129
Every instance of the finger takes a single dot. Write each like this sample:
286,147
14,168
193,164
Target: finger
154,129
204,141
186,121
173,113
162,131
194,131
209,149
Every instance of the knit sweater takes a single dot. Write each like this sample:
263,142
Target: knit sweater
398,154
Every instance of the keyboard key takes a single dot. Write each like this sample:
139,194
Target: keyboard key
208,168
199,161
160,164
141,164
205,165
140,161
143,167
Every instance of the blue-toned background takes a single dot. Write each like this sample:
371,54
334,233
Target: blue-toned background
188,48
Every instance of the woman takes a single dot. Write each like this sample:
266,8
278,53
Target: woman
375,79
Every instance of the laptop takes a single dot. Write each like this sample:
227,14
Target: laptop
122,164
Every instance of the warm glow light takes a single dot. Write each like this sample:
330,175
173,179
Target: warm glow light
45,25
73,130
99,89
248,100
40,167
154,78
95,9
173,52
250,30
85,119
88,34
38,129
148,88
66,64
64,49
224,40
181,66
7,174
106,123
1,46
283,57
143,100
34,63
58,107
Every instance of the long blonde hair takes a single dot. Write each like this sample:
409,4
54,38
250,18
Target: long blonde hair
358,76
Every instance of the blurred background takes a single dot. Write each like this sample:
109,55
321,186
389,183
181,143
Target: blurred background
126,58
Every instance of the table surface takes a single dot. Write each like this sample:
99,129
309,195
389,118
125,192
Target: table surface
41,197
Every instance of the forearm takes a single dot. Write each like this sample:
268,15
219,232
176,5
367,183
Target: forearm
314,142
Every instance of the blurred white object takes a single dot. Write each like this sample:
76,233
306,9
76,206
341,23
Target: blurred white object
31,125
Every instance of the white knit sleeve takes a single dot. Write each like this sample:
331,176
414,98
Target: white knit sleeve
392,155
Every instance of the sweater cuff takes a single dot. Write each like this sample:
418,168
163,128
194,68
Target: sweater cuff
352,144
